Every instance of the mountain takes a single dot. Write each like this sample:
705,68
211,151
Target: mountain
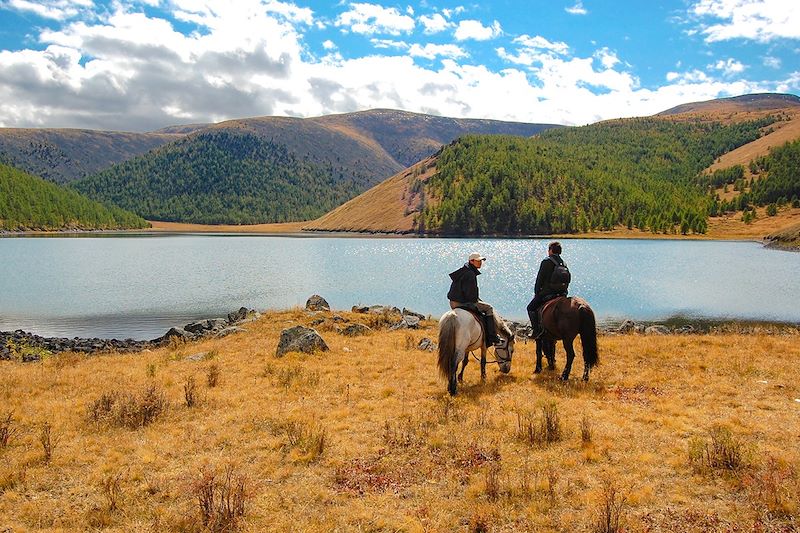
31,203
65,155
277,169
647,173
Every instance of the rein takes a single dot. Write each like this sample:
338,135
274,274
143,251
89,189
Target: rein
497,359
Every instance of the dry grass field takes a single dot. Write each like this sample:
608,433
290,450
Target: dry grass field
672,433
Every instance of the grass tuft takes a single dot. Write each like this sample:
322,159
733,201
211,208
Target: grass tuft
212,376
723,452
542,430
610,510
129,410
48,440
7,429
222,496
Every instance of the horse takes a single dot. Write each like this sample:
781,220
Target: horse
563,319
460,332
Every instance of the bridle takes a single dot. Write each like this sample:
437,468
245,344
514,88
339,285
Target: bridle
502,347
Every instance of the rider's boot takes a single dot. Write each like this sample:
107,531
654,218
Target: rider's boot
491,330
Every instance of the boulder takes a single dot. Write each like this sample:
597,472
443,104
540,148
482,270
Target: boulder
627,326
685,329
197,356
238,316
658,329
412,321
356,330
179,333
409,312
426,345
224,332
195,327
300,339
317,303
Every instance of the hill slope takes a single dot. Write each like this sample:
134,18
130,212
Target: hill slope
30,203
65,155
286,169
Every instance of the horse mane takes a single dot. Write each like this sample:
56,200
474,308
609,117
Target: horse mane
502,326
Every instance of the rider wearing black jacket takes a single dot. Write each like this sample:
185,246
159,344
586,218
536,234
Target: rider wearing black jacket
464,293
543,289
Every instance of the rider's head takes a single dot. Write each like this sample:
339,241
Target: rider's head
554,248
476,259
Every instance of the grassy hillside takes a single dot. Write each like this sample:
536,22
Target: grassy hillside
65,155
690,433
30,203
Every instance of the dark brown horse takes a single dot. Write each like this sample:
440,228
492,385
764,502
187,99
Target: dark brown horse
564,319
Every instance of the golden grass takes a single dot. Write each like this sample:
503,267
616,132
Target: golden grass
365,438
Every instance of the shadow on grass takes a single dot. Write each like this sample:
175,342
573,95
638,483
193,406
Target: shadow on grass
550,380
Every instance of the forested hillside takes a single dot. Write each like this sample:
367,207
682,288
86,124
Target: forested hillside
30,203
225,176
636,172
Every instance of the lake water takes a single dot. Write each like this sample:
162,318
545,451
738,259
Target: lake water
138,286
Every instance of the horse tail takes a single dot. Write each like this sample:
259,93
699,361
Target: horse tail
588,331
447,344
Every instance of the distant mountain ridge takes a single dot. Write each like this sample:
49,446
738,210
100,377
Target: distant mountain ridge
747,102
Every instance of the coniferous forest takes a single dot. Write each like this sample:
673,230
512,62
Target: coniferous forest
31,203
224,177
641,173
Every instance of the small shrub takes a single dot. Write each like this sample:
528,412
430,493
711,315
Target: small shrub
125,409
492,482
48,440
221,497
151,370
773,489
586,430
552,484
540,431
405,433
410,343
190,392
212,376
481,520
610,510
111,487
305,440
724,452
12,478
7,429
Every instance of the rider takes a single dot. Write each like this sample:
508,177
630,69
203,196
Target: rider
464,293
546,288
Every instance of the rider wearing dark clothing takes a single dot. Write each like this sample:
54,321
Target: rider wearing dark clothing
543,289
464,293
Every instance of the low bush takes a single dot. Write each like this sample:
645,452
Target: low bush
127,409
542,430
222,496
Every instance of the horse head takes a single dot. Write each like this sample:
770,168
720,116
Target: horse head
504,351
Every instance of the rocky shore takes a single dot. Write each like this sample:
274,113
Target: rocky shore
24,346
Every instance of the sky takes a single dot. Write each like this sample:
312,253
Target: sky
147,64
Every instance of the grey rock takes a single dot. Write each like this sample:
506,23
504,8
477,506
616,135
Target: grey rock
195,327
317,321
383,309
426,345
176,332
338,318
317,303
412,321
214,324
627,326
228,331
356,330
684,329
658,329
359,309
197,356
300,339
409,312
238,316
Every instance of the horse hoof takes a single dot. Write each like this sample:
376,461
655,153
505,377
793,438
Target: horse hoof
537,371
564,378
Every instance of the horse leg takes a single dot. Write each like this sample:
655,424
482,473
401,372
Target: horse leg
463,367
539,350
483,363
550,351
452,386
586,369
570,356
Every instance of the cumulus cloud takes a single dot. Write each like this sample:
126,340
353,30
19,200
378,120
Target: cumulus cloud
729,67
432,51
772,62
373,18
435,23
51,9
532,50
474,29
577,9
758,20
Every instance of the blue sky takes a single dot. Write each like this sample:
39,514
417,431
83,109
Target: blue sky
151,63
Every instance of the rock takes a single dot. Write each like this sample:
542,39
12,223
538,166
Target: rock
658,329
359,309
197,356
195,327
317,303
238,316
412,321
338,318
215,324
627,326
356,330
427,345
409,312
180,333
383,309
684,329
300,339
227,331
317,321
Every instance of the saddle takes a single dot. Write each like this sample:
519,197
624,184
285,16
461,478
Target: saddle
477,315
548,304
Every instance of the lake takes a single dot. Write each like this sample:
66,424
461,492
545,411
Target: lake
138,286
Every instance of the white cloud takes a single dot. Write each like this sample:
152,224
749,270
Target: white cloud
455,11
434,23
532,50
729,66
772,62
577,9
431,51
50,9
474,29
388,43
758,20
607,58
373,18
329,45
